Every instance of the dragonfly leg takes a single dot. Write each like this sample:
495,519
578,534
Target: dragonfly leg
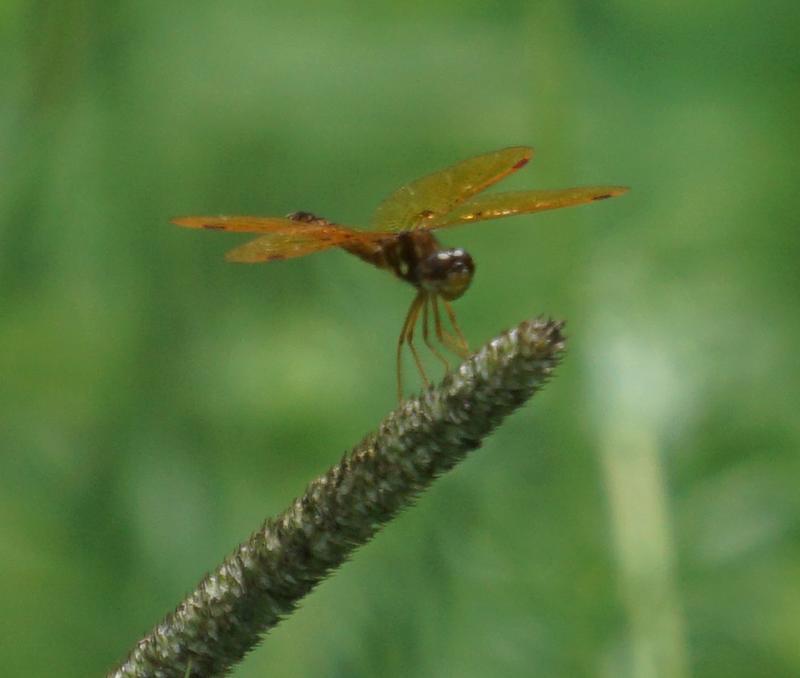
448,340
426,336
415,309
464,347
407,337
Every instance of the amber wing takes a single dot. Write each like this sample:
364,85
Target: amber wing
421,201
282,238
498,205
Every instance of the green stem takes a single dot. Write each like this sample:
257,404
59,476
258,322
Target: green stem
265,578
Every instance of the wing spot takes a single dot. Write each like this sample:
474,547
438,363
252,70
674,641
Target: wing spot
521,163
214,227
602,197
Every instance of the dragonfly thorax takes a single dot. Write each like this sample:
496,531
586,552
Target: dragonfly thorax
447,273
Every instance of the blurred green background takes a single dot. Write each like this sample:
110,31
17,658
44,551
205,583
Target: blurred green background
638,518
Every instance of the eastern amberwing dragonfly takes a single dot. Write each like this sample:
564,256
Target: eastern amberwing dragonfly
401,241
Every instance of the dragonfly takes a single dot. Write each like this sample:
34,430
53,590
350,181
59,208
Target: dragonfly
401,241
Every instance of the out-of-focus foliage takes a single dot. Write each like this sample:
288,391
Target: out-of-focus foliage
639,519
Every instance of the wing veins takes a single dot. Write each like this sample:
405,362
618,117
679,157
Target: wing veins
498,205
416,203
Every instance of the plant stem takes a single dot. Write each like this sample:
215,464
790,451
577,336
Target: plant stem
265,578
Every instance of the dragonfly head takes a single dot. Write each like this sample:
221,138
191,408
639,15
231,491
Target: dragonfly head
447,273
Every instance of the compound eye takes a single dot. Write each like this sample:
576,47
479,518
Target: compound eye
447,272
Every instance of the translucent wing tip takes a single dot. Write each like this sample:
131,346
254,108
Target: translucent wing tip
196,222
525,153
243,256
605,192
